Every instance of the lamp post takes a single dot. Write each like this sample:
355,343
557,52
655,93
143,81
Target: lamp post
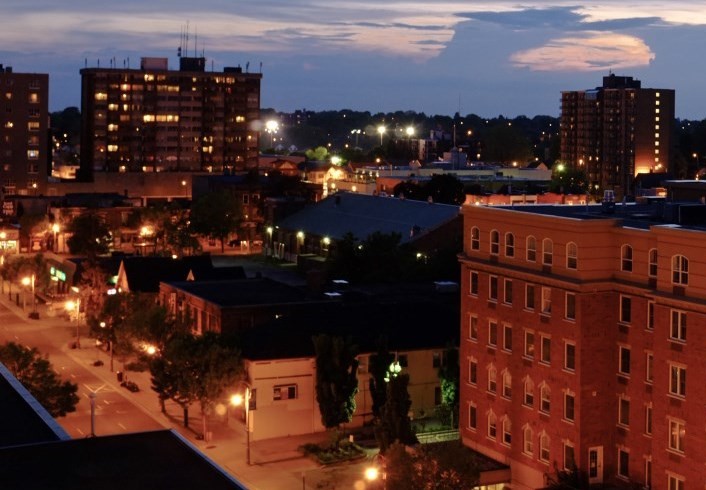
29,281
381,130
237,400
271,127
55,228
75,305
110,343
377,471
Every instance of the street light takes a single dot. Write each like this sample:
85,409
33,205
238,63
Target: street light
237,400
356,132
381,130
377,470
272,127
29,281
75,305
55,228
110,344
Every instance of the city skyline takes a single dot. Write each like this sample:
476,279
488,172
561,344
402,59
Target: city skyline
491,58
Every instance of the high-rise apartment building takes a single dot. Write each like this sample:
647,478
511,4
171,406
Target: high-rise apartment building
153,119
582,343
616,131
24,137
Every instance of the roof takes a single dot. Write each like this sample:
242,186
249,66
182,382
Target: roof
245,292
362,215
408,321
147,460
144,274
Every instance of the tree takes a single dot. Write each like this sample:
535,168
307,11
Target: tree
319,154
394,424
567,180
93,287
89,235
450,378
336,379
506,143
378,368
445,189
216,215
39,377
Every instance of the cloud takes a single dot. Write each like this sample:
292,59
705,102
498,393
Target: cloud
586,51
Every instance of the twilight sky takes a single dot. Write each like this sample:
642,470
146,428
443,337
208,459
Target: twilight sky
487,57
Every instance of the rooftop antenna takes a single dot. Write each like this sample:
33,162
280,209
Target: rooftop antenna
247,66
186,39
196,42
261,67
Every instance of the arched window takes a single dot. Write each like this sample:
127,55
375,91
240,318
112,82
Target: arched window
544,447
680,270
547,251
475,238
528,440
531,249
494,242
545,398
572,253
492,379
507,430
492,425
507,384
529,392
509,245
626,258
652,263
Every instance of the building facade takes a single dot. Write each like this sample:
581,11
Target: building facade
24,136
574,348
616,131
153,119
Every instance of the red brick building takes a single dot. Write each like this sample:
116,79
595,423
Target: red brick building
574,345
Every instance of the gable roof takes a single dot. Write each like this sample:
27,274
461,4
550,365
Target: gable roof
143,274
363,215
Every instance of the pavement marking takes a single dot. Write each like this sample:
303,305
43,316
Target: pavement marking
122,426
80,431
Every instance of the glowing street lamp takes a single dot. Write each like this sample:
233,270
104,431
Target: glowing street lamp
376,471
409,131
272,127
29,281
55,228
237,400
381,130
75,306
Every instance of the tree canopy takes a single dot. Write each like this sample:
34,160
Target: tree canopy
90,235
39,377
336,379
394,424
216,215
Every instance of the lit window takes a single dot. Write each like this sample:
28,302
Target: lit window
509,245
626,258
284,392
33,98
624,361
677,380
652,263
546,300
547,251
494,242
101,96
677,328
677,431
475,238
112,148
571,255
680,270
531,249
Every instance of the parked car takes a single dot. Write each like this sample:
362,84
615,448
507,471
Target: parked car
130,386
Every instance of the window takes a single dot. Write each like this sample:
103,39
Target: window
569,460
492,425
472,417
545,398
529,393
529,344
493,288
569,403
529,296
571,256
527,440
624,361
507,384
531,249
648,472
624,411
284,392
677,431
625,309
648,419
473,289
507,338
677,380
494,242
569,356
649,361
509,245
475,238
492,379
507,431
507,297
546,300
650,315
652,262
675,482
677,328
570,306
546,350
680,270
472,371
623,460
492,333
626,258
547,251
473,327
544,447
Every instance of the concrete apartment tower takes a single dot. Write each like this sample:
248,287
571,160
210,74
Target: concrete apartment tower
153,119
24,132
616,131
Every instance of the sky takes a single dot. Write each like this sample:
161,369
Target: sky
488,57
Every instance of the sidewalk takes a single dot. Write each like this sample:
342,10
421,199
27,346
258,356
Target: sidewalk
276,463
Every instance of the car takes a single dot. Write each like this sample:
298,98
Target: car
130,386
